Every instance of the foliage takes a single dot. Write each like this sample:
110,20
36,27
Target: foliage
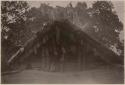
107,23
13,26
13,17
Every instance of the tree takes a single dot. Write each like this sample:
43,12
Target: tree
105,23
81,9
13,16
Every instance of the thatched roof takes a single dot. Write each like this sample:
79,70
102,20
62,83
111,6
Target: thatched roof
65,34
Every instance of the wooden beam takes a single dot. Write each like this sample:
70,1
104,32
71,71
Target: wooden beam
16,54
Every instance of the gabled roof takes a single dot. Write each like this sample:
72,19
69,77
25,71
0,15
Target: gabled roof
67,31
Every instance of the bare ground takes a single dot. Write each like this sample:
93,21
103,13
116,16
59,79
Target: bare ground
102,75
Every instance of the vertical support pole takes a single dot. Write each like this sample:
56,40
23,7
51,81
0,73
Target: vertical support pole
79,57
84,57
62,59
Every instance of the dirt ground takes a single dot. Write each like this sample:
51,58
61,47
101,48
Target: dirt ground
102,75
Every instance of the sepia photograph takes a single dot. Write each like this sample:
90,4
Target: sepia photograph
62,42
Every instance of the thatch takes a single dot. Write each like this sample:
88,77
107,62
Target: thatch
63,39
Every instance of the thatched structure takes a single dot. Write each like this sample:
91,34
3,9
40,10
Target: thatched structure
60,44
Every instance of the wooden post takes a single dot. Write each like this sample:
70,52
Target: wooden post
62,58
47,59
43,58
79,57
84,57
81,61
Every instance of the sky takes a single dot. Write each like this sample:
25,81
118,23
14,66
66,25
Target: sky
118,7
